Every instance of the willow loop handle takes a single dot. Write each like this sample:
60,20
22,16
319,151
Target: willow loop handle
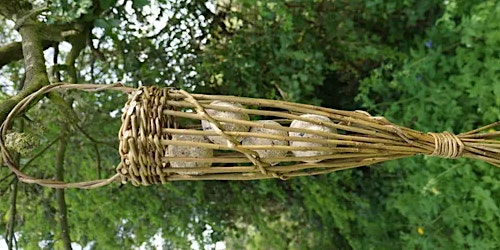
23,104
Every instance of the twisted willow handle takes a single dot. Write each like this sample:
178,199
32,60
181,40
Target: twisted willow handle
23,104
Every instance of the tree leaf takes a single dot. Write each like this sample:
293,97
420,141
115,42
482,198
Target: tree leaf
139,4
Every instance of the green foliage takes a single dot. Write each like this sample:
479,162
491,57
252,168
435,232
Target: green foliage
451,73
313,51
67,11
262,50
448,82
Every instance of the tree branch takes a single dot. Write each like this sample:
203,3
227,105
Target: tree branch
98,160
33,44
33,55
13,51
78,43
61,201
14,9
52,34
11,223
36,76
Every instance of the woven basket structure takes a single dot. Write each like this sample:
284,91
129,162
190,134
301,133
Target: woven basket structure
169,135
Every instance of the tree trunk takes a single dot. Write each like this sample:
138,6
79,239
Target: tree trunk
9,236
61,202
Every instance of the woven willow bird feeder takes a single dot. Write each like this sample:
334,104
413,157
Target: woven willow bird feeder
170,135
